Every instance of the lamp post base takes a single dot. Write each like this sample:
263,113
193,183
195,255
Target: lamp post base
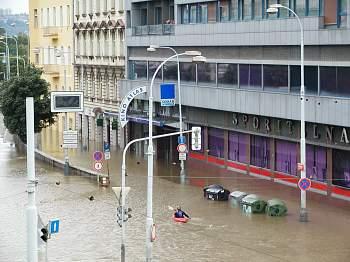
303,215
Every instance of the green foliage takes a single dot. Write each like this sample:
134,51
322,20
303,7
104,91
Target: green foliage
13,95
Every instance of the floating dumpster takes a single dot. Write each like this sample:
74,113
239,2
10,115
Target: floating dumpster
253,204
276,207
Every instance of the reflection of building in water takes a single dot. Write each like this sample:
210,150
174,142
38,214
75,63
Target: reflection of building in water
246,97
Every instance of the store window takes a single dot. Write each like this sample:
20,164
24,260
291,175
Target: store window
206,73
237,147
341,168
224,9
138,70
316,163
216,142
170,71
260,151
286,157
311,79
152,67
188,72
227,75
276,78
250,76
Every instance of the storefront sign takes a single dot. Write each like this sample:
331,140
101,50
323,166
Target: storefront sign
126,101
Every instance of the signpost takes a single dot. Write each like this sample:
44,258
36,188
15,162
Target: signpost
167,94
98,156
182,156
70,139
98,166
182,148
304,184
54,226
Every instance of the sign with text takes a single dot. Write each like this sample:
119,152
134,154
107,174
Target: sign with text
67,101
167,94
126,101
70,139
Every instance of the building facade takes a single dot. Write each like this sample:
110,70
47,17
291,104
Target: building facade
99,64
51,46
246,96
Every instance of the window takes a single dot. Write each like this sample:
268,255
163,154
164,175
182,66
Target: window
247,9
311,79
227,75
193,13
216,142
343,81
234,9
260,151
316,163
47,17
301,7
313,7
341,170
42,23
343,12
98,43
207,73
188,72
35,18
68,15
258,9
212,12
36,59
105,48
152,67
286,157
237,146
203,13
185,14
283,13
170,71
158,16
224,10
276,77
61,16
268,4
138,70
69,53
250,76
328,80
105,6
54,16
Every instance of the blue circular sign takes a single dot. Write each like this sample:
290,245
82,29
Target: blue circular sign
304,184
98,155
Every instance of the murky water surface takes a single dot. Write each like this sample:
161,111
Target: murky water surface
217,231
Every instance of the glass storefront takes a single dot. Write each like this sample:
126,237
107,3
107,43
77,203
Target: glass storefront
216,142
260,151
341,168
237,146
286,157
316,163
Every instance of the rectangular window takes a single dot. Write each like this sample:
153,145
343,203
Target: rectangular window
224,9
216,142
206,73
68,15
61,16
286,157
234,9
343,81
237,146
330,12
227,75
47,17
301,7
193,14
152,66
283,13
247,9
268,4
158,16
170,71
343,13
212,12
36,59
35,18
138,70
203,13
187,72
313,7
328,80
250,76
185,14
341,170
260,151
316,163
54,16
276,78
42,23
311,79
258,9
143,17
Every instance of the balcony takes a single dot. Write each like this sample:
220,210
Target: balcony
51,31
52,70
161,29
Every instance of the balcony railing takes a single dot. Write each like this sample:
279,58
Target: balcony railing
162,29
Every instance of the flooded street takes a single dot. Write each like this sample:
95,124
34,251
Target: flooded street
217,231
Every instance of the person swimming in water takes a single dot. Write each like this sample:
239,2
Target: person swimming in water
180,214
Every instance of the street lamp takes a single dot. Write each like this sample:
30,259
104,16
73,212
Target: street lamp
14,38
303,212
153,48
196,57
7,60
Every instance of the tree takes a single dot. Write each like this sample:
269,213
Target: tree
13,94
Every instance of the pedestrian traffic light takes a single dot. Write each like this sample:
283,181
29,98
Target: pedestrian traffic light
126,214
45,234
196,138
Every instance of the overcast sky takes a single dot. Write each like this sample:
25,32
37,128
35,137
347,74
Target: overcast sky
17,6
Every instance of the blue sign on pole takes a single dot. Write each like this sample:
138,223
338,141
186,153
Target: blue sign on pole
167,94
304,184
98,156
106,147
54,226
181,140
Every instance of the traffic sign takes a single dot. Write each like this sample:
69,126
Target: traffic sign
181,140
304,184
98,166
167,94
182,148
106,147
300,167
182,156
70,139
107,155
98,156
54,226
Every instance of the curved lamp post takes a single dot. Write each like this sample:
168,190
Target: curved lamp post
196,57
303,212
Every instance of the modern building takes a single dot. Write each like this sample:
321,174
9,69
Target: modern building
246,97
98,64
51,46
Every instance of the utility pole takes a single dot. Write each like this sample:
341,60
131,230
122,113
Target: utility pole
66,157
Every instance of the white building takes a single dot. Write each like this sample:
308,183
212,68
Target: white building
99,64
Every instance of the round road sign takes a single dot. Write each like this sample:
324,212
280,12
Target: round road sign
304,184
98,166
182,148
98,155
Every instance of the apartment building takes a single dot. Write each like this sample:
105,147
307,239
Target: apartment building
51,46
246,97
98,65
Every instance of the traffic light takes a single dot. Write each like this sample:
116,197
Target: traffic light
45,234
126,215
196,138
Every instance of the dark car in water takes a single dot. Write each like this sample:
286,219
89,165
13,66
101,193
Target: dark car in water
216,192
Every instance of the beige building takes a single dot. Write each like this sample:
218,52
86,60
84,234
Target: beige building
51,45
98,65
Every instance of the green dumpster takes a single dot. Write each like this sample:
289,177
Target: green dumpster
236,198
253,204
276,207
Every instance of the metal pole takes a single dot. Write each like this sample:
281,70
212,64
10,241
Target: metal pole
8,57
7,60
66,158
31,212
16,54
